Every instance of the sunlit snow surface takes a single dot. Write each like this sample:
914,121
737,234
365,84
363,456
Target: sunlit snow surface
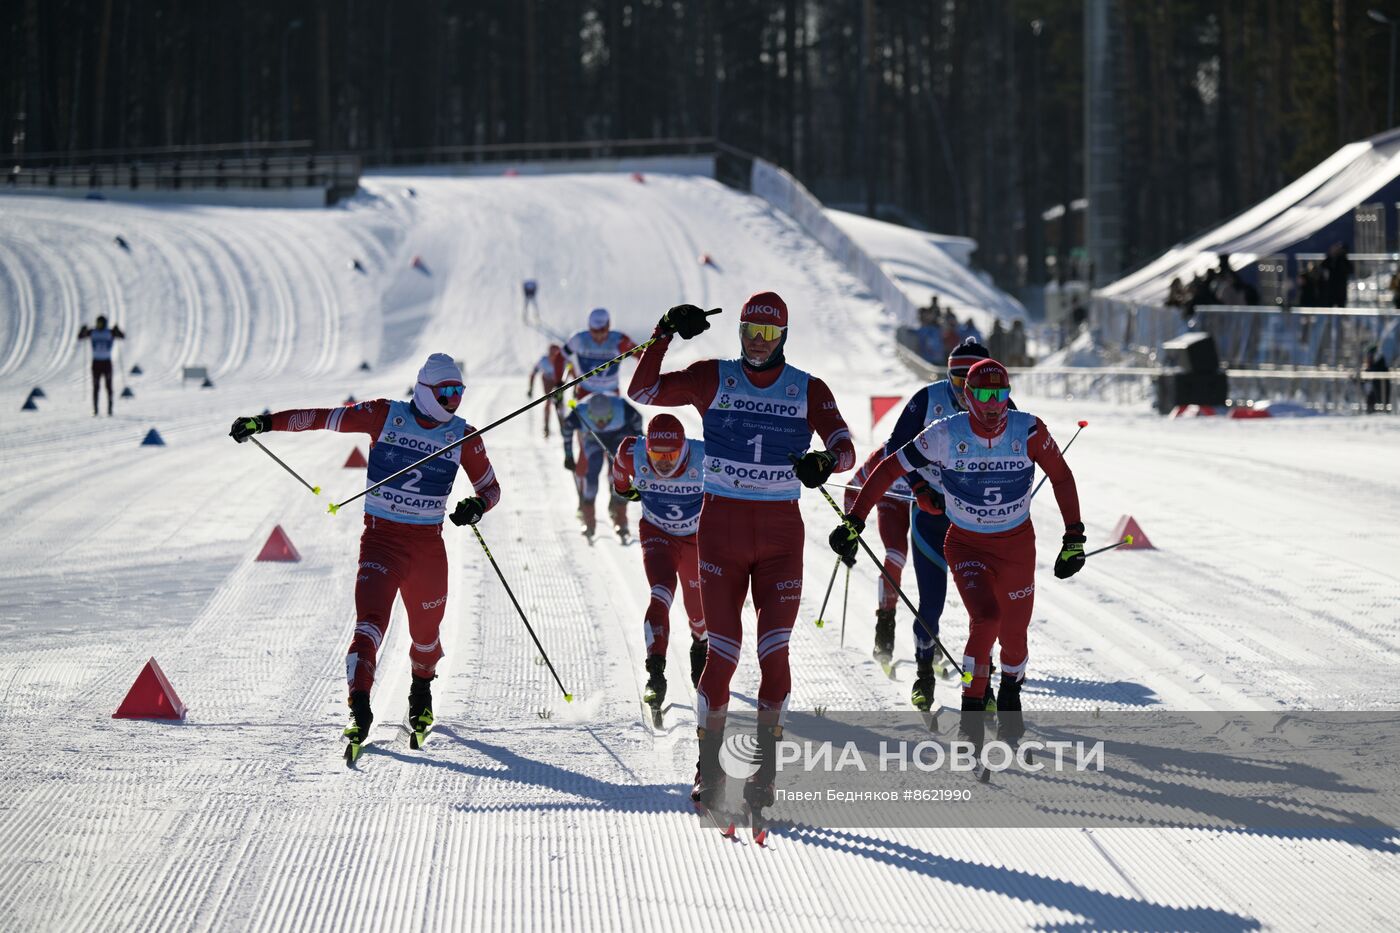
1274,586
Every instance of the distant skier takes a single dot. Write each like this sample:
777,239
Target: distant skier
984,460
529,287
550,369
103,339
601,422
591,348
759,412
665,472
930,524
401,550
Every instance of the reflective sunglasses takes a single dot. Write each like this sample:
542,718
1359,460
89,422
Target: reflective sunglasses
664,457
987,395
957,381
750,331
447,391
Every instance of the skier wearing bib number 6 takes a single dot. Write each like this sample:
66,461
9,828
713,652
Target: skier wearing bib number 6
401,549
759,413
984,460
665,473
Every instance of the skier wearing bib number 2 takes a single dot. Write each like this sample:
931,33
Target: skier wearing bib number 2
401,550
759,413
984,460
665,473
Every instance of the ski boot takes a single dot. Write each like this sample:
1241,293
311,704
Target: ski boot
709,779
1011,726
972,727
922,693
361,717
617,511
587,514
884,638
758,789
655,693
699,649
420,710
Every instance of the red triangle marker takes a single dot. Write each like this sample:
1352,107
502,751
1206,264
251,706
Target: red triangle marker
356,459
1127,525
278,547
151,697
880,405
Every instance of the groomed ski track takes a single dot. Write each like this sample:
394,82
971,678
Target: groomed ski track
1274,587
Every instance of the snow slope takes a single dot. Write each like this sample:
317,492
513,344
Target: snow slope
1274,587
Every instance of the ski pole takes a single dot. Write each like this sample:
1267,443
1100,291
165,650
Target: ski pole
568,697
845,598
1082,426
888,495
316,490
337,506
928,629
1127,539
821,622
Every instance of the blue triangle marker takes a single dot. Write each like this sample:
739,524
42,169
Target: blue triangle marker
29,405
127,393
136,370
37,392
206,384
153,439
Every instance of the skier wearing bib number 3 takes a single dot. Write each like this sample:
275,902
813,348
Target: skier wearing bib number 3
665,473
759,413
401,550
984,459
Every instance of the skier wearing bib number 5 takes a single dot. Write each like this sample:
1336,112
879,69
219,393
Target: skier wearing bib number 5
984,460
665,473
401,550
759,413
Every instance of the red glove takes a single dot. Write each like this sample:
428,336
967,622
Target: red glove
930,500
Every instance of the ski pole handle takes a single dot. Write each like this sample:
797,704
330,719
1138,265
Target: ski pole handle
315,490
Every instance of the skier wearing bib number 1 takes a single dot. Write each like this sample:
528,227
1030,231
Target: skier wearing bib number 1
984,460
759,413
401,550
665,473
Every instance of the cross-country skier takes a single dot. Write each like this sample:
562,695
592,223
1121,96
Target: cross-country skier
665,473
401,550
930,524
601,422
550,369
529,287
103,339
591,348
759,413
984,459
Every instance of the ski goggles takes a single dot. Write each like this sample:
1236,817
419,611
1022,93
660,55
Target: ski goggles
957,381
447,390
751,331
991,395
664,458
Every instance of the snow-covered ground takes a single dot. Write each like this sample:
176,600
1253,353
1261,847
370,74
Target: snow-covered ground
1274,586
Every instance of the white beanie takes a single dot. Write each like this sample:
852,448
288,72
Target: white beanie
438,369
598,318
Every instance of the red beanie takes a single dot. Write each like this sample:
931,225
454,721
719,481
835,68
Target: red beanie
765,308
665,434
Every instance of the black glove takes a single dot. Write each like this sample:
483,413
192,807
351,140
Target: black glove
631,494
1071,557
569,462
468,511
814,467
843,542
245,427
686,320
929,499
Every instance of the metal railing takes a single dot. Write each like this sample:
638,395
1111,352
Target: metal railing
534,152
188,173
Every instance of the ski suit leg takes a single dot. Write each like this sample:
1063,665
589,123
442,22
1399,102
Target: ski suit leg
659,558
1016,590
893,520
687,566
548,385
384,564
725,552
590,465
777,593
987,569
105,371
425,598
931,569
